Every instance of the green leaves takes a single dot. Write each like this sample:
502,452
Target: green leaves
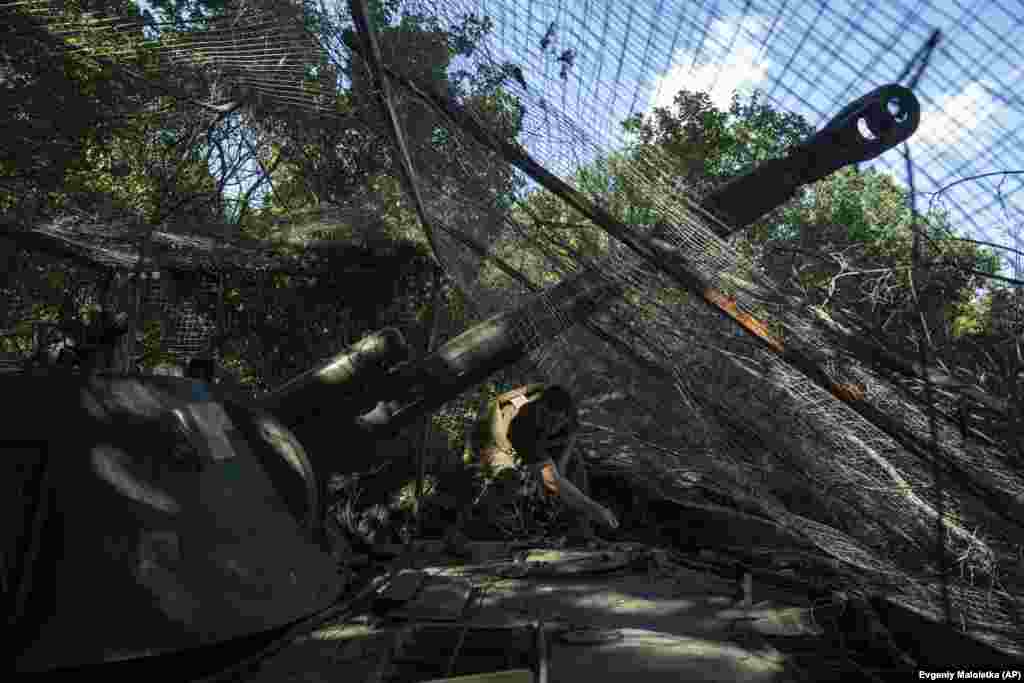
848,240
709,146
54,105
465,37
187,15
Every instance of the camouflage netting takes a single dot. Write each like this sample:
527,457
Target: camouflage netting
696,401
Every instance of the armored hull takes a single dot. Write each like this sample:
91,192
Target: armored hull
150,516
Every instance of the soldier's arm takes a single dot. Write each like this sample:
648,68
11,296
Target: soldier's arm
564,489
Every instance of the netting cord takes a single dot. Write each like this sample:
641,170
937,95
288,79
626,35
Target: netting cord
141,273
261,289
371,48
218,346
372,59
925,346
666,259
662,258
435,332
379,74
590,325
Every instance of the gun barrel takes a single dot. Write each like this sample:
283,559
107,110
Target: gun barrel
343,386
417,388
864,129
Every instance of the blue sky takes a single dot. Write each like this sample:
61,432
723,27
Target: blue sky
810,56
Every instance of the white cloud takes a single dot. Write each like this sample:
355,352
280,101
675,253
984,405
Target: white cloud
722,70
959,117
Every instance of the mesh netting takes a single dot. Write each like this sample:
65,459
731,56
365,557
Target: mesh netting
901,494
187,320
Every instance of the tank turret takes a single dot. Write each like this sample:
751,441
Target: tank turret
177,516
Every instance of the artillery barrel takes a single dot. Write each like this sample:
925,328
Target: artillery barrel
416,388
890,113
343,386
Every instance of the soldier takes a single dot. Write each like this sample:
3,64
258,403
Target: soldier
540,423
